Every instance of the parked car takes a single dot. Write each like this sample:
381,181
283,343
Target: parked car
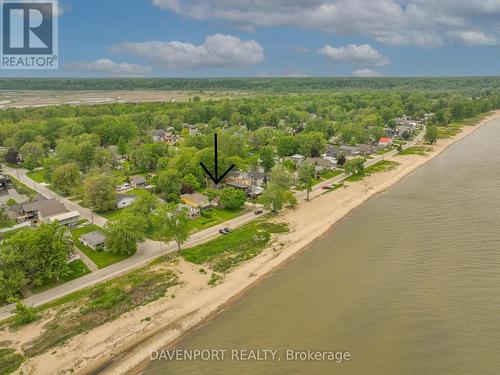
222,231
258,211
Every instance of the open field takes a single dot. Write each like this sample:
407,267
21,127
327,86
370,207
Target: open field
42,98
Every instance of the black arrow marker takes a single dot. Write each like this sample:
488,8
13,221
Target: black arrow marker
216,179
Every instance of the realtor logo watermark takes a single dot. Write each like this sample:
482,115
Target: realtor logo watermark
29,37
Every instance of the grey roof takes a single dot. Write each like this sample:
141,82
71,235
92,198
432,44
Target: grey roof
120,197
238,185
52,210
348,148
319,162
39,204
94,238
138,180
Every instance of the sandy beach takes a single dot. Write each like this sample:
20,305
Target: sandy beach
123,346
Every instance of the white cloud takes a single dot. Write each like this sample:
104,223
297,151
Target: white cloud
474,38
216,51
108,67
366,73
424,23
364,55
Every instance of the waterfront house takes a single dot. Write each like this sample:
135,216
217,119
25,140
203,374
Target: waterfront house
365,149
193,212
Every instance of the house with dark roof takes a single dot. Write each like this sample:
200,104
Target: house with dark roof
124,200
94,240
138,181
30,210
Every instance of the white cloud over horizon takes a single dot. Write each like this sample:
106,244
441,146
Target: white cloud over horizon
217,51
362,55
109,67
366,73
423,23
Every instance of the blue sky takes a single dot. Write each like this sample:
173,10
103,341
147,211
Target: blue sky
199,38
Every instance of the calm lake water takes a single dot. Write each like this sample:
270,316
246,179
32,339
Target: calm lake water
408,284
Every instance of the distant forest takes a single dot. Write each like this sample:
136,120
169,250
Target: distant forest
276,85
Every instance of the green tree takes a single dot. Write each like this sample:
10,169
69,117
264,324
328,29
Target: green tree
278,189
355,167
143,206
431,134
32,154
99,192
172,224
232,199
66,178
124,233
267,159
169,182
306,176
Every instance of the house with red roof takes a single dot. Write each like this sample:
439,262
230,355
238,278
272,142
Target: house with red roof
385,142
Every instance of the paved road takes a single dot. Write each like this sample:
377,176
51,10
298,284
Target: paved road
20,174
148,250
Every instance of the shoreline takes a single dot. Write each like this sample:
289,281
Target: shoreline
196,303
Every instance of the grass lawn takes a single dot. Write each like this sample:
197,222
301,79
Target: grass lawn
330,174
78,269
137,192
225,252
416,150
38,176
217,216
113,214
100,258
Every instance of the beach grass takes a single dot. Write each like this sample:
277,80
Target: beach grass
10,361
94,306
381,166
416,150
226,252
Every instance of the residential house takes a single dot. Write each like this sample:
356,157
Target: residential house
138,181
45,213
157,135
238,185
94,240
257,177
124,200
297,158
196,200
67,219
4,181
30,210
365,149
385,142
349,150
320,163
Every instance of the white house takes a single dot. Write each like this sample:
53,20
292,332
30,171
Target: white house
124,200
68,219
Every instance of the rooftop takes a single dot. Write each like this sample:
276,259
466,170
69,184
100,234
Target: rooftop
93,238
